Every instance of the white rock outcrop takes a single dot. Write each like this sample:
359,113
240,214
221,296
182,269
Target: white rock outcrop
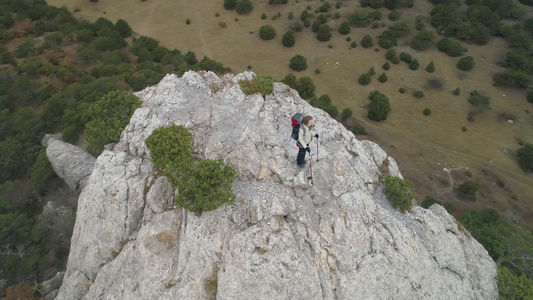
281,239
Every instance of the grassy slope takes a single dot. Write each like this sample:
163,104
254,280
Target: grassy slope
422,145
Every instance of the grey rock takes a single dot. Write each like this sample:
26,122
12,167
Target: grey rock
281,239
72,164
50,288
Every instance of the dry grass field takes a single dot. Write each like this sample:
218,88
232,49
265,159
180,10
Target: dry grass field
422,145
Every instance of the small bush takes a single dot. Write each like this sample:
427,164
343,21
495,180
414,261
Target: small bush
324,33
261,84
371,71
457,92
345,28
525,157
364,79
288,39
466,63
324,102
418,94
358,129
401,90
244,6
367,41
427,112
414,65
353,44
317,71
477,99
450,47
379,107
386,66
406,57
467,190
263,16
346,113
530,97
383,78
464,129
430,68
298,63
267,32
399,192
395,15
187,21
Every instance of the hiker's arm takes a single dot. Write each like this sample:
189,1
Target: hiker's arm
301,138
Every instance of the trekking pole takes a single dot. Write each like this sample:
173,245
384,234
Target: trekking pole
317,157
311,168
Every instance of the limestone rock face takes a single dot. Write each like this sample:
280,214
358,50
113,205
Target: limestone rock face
282,238
72,164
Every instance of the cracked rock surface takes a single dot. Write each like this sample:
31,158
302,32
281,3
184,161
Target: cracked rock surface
282,238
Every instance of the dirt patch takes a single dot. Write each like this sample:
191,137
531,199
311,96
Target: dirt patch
422,145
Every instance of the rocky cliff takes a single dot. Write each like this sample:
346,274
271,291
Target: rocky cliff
282,238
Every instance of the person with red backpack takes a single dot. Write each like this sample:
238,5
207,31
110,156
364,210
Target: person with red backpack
305,134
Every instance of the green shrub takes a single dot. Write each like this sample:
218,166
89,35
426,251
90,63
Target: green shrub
467,190
478,99
414,65
203,184
525,157
267,32
288,39
188,21
367,41
371,71
291,15
346,113
466,63
418,94
364,79
263,16
430,68
383,78
450,47
512,286
395,15
529,97
298,63
324,102
422,40
401,90
345,28
512,78
464,129
304,85
427,112
230,4
457,92
324,33
386,66
243,6
406,57
260,84
109,116
353,44
358,129
379,107
317,71
399,192
391,54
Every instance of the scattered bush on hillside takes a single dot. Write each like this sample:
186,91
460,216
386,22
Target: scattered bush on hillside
364,79
385,66
109,116
512,78
401,90
514,286
367,41
345,28
204,184
426,112
260,84
395,15
358,129
304,85
383,78
479,100
450,47
525,157
467,190
324,33
391,54
288,39
360,18
422,40
399,192
418,94
371,71
263,16
414,64
278,1
324,103
457,92
466,63
346,113
244,6
430,68
406,57
353,44
321,19
379,107
267,32
428,201
230,4
123,28
298,63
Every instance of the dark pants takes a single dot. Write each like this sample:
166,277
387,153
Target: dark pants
300,160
